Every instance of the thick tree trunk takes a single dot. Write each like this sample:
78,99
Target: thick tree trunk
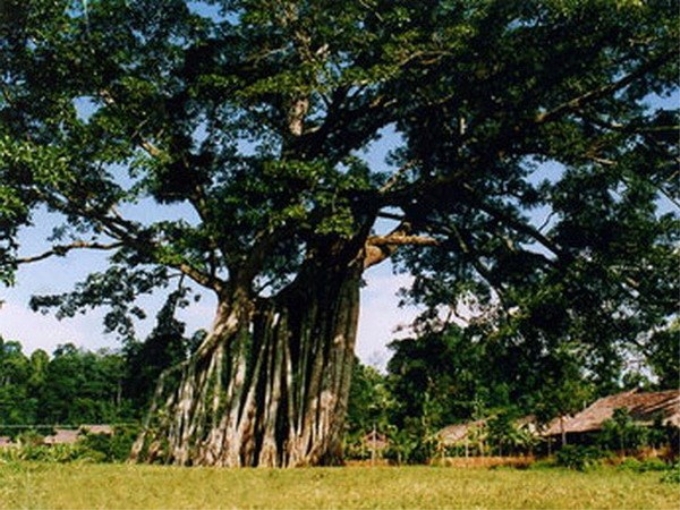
269,386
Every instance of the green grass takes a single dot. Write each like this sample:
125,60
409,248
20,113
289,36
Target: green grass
92,486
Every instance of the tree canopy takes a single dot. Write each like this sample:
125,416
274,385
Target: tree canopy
535,172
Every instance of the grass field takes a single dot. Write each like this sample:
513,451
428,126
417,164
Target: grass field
94,486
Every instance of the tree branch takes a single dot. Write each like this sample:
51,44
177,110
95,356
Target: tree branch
592,95
61,250
379,248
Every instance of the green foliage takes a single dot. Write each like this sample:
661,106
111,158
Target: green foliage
165,347
621,433
643,466
82,387
257,117
18,402
88,448
578,457
457,375
673,475
663,356
73,387
505,437
441,378
410,445
29,438
114,447
370,400
34,450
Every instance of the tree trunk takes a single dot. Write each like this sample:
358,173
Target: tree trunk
269,385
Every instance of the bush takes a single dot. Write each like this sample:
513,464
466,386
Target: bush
630,464
673,475
58,453
409,446
653,465
111,448
89,448
29,437
578,457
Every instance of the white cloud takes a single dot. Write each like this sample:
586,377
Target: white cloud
37,331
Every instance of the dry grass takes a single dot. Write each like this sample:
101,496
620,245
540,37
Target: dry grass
83,486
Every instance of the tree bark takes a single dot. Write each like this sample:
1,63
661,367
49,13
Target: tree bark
269,385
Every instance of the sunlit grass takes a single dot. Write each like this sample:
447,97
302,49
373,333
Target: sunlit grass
92,486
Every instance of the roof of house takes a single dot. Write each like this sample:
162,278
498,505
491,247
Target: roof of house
96,429
375,440
455,434
644,407
62,436
70,436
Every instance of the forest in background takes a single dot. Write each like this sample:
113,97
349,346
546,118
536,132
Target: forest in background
433,380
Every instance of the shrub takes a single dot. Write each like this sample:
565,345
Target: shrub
111,448
29,437
354,447
58,453
653,465
546,463
89,448
630,464
578,457
409,446
673,475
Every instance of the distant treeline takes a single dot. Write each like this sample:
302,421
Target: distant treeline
72,386
431,381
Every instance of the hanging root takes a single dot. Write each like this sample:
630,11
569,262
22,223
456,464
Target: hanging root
272,392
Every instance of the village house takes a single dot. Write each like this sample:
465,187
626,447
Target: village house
644,408
71,436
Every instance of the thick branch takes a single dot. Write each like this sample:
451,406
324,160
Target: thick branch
131,236
61,250
380,248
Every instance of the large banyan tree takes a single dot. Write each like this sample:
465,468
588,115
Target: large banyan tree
532,168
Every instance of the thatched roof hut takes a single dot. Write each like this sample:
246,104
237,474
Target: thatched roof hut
71,436
459,434
96,429
644,408
62,436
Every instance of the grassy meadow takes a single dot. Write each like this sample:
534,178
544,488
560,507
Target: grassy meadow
93,486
